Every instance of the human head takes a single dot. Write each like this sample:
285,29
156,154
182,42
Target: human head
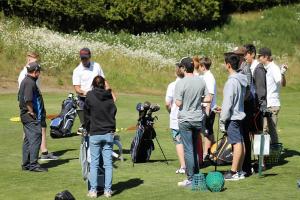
196,62
98,82
33,69
205,63
264,55
179,71
85,56
250,53
232,62
187,64
32,57
239,51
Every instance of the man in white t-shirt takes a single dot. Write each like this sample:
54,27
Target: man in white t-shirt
45,155
205,64
173,111
84,74
275,78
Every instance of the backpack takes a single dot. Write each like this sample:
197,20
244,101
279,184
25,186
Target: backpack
221,152
61,125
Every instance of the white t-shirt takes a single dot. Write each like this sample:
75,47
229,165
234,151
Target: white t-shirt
23,74
174,109
84,76
273,78
253,66
211,86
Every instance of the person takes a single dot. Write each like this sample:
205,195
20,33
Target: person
188,96
100,122
83,76
205,64
32,114
196,63
173,111
232,114
45,154
275,78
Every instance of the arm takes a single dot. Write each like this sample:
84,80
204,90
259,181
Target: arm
87,115
227,102
107,87
178,103
283,80
79,91
168,106
260,85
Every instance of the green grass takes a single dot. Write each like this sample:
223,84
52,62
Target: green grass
153,180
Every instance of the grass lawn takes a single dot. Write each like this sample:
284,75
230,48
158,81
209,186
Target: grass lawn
153,180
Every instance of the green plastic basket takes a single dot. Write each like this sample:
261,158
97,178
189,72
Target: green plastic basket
215,181
275,152
198,183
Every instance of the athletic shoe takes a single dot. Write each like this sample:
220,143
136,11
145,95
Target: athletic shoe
49,156
92,194
232,176
80,131
107,194
39,169
180,171
242,174
185,183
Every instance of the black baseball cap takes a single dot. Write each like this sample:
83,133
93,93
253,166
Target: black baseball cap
185,62
33,66
264,52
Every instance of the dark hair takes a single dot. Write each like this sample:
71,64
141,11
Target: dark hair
99,82
233,60
250,48
206,62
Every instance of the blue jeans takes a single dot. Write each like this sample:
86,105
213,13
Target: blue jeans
101,145
190,131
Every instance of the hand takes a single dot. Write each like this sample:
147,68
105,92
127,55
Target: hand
283,69
217,109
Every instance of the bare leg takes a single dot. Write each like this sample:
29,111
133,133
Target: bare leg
180,154
238,149
43,144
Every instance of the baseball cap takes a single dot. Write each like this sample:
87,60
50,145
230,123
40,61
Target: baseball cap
264,52
185,62
33,66
85,53
237,51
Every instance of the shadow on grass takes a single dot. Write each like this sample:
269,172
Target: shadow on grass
62,152
125,185
55,163
162,160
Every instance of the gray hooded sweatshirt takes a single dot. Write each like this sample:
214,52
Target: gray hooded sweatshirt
233,98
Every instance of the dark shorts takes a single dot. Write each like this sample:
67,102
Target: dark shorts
235,132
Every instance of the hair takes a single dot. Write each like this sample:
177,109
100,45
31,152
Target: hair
33,55
233,60
206,62
98,82
250,48
196,59
179,72
190,68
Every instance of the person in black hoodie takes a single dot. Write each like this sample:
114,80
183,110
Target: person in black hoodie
100,122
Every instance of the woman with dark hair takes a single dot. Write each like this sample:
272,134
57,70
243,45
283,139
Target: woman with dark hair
100,122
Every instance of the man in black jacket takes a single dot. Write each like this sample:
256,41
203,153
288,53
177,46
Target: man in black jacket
33,116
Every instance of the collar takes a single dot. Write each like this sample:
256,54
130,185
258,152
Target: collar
268,65
31,77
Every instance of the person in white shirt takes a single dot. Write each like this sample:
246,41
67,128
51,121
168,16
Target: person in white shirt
84,74
204,66
173,111
45,155
275,78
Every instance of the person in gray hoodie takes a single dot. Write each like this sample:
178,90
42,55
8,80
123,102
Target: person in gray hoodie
232,115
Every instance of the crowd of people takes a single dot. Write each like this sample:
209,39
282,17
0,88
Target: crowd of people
250,105
252,88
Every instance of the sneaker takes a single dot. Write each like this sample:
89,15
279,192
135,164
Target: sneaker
232,176
39,169
180,171
92,194
185,183
80,131
49,156
242,174
107,194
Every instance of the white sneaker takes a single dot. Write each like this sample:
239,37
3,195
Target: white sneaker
185,183
242,174
92,194
107,194
180,171
230,176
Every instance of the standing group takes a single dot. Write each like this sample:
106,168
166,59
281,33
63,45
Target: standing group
250,105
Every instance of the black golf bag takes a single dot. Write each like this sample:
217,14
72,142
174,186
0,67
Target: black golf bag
61,125
142,144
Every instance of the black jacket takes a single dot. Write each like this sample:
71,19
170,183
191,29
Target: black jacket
99,112
259,80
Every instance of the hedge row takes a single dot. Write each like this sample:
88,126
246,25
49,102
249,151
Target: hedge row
133,15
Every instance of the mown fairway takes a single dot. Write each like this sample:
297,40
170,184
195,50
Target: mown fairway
153,180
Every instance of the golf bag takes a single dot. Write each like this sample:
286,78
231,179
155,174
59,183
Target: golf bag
142,144
221,152
61,125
